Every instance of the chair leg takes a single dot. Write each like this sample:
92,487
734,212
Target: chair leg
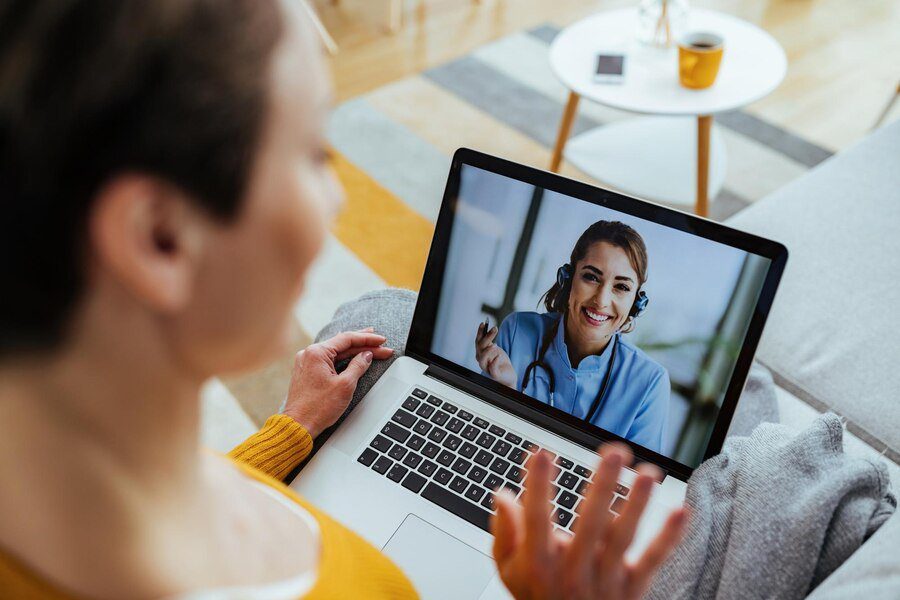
887,108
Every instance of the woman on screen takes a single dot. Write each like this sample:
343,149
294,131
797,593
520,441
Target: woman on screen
575,356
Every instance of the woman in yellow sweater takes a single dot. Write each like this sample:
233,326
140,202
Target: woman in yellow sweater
164,187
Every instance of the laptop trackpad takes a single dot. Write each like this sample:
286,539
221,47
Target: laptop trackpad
439,565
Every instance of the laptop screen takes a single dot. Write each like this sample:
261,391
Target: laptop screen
624,323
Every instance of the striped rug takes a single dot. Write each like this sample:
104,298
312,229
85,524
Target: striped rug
392,153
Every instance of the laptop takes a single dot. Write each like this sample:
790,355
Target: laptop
414,467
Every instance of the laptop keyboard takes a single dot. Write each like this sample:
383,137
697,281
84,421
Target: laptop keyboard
459,460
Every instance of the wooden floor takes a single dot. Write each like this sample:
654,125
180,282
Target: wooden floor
843,61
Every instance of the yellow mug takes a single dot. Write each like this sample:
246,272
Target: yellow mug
699,55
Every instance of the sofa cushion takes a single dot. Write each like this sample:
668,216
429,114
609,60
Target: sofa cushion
832,335
873,572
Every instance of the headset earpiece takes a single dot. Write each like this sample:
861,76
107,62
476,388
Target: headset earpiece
563,274
640,304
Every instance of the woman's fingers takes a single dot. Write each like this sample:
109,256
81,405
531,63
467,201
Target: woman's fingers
505,526
536,500
350,339
487,339
619,537
378,352
659,549
595,515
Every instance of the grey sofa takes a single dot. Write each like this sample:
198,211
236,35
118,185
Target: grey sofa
832,340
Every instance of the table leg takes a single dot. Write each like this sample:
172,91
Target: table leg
704,125
565,126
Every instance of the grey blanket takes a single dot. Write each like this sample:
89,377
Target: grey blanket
774,514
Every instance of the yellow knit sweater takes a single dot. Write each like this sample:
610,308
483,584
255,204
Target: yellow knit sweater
348,566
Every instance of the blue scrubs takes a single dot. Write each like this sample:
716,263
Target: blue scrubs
636,406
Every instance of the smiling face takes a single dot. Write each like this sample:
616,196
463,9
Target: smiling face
604,286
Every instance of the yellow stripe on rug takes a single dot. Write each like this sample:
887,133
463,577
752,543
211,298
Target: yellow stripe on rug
380,229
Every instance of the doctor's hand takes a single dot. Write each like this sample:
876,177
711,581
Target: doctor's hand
492,359
318,394
535,562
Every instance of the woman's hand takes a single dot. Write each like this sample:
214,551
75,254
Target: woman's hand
492,358
318,394
536,562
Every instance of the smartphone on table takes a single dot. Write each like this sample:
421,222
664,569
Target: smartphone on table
609,68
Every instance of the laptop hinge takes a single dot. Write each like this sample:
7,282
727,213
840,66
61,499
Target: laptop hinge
574,435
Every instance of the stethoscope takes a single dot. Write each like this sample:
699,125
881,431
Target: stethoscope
563,275
531,370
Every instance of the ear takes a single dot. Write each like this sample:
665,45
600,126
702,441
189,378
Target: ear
147,237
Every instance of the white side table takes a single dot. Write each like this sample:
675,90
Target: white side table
650,156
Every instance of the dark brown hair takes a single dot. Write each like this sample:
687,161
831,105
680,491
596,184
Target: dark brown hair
556,299
91,88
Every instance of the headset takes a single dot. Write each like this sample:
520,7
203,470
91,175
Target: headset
563,276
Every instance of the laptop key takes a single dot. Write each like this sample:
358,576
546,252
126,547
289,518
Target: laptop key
501,448
622,490
455,425
397,473
449,408
412,460
457,505
485,440
431,450
561,517
427,468
407,419
512,487
420,393
517,456
484,458
415,442
395,432
380,443
499,466
565,463
492,482
458,484
437,435
488,501
583,471
516,474
568,480
470,432
475,492
425,411
464,415
583,486
397,452
477,474
530,446
497,430
479,422
567,499
452,442
411,403
435,400
513,439
440,417
422,427
618,505
446,458
443,476
367,457
382,464
461,466
414,482
468,450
